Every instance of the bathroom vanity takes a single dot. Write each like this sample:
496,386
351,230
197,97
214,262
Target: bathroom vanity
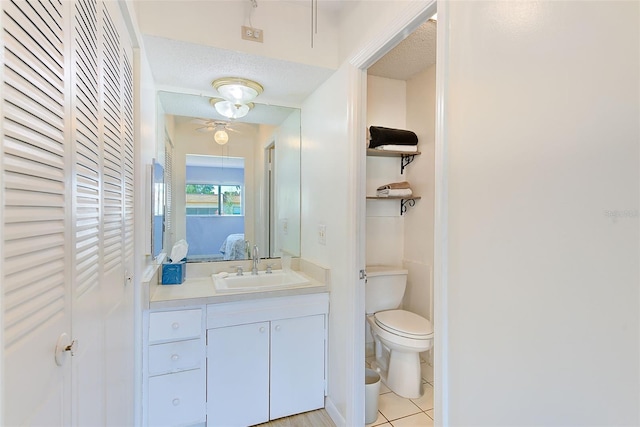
234,358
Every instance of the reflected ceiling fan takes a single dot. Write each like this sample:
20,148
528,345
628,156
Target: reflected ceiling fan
220,129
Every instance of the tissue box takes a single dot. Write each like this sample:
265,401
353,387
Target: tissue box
173,274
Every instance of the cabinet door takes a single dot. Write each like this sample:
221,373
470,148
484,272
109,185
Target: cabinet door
238,375
297,365
177,399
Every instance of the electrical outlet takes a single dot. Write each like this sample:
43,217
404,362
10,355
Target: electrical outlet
322,234
285,226
252,34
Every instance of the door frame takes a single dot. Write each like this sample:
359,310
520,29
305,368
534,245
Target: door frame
409,20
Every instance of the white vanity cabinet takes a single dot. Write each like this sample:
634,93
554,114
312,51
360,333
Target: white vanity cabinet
176,368
297,365
266,359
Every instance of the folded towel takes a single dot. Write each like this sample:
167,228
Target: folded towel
385,136
395,186
390,192
393,147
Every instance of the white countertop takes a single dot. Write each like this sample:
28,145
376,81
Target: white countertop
200,290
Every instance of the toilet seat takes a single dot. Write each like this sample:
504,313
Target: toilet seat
404,323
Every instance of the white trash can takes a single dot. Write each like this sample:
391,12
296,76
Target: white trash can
371,394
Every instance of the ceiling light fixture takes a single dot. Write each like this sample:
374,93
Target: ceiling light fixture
237,94
230,110
221,136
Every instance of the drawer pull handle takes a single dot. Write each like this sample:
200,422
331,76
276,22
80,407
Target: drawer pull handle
262,329
175,325
175,357
176,402
278,328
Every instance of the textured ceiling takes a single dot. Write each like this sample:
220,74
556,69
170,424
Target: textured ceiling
413,55
198,106
187,68
183,73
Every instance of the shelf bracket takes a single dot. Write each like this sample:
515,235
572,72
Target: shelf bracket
405,204
406,159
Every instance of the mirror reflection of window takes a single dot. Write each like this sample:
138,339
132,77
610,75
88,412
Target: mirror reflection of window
214,207
158,207
213,199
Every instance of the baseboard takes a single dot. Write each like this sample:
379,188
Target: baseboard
333,412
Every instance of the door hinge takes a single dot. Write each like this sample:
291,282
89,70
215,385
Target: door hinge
363,274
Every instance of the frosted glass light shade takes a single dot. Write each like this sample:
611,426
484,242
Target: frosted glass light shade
221,137
230,110
237,90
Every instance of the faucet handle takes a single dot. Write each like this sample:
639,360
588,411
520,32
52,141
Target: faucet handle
239,270
269,268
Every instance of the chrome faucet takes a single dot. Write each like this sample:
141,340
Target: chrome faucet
256,260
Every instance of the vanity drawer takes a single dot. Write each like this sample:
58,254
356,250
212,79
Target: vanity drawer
177,399
176,357
174,325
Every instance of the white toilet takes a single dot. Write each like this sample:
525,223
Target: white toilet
399,336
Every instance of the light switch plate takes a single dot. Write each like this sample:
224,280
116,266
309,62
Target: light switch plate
322,234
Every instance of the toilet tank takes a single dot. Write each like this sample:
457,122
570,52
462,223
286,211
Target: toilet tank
385,287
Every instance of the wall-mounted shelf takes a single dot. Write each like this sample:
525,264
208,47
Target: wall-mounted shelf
406,158
405,202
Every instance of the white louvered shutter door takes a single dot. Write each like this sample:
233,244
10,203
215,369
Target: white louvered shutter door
117,296
67,167
36,212
104,217
88,329
168,194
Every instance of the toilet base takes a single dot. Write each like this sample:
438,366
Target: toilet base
403,376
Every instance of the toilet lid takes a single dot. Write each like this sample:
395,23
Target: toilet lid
404,323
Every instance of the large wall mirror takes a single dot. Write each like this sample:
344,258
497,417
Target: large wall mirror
233,192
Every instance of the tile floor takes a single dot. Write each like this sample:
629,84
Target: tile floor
396,411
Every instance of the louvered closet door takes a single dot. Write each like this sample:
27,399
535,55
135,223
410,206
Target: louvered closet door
117,296
103,138
88,329
36,212
67,167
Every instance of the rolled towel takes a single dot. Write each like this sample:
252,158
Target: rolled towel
393,147
385,136
394,186
390,192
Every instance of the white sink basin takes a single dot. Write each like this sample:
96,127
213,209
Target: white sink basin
263,281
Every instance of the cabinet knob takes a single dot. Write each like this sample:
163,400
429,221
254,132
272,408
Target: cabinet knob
175,401
175,325
175,357
278,327
262,329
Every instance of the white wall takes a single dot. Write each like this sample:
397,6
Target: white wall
362,22
287,175
418,221
386,106
287,178
286,27
325,197
543,174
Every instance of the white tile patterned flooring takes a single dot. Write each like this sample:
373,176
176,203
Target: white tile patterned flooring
396,411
